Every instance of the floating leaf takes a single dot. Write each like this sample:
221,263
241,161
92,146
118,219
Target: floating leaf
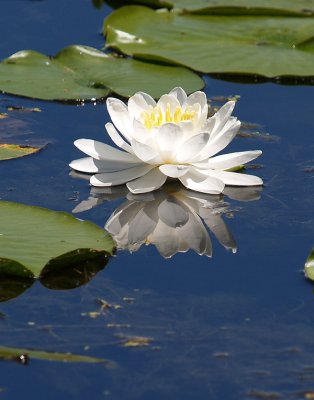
33,239
80,72
309,266
261,7
22,356
268,46
9,151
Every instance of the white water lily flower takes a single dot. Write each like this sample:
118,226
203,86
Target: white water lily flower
171,138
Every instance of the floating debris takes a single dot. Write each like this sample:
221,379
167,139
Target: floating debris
135,341
258,394
24,109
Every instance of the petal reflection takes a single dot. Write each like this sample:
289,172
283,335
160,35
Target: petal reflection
173,219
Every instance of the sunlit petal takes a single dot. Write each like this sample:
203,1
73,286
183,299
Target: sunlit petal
146,153
230,160
197,97
153,180
119,115
90,165
119,177
192,147
201,183
180,94
102,151
173,170
138,103
235,178
117,139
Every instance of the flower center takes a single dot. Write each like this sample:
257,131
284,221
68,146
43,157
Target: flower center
155,117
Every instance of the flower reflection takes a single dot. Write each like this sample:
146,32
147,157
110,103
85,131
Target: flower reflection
173,219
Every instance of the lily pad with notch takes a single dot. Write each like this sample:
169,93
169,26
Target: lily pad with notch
85,73
245,45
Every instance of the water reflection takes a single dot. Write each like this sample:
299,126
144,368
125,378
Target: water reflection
61,273
173,218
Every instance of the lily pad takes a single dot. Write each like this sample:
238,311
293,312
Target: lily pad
22,356
309,266
260,7
82,73
9,151
253,45
36,241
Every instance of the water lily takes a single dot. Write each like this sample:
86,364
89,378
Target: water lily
171,138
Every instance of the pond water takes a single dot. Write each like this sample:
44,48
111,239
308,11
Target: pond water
234,326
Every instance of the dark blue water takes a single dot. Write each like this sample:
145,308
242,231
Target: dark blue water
233,326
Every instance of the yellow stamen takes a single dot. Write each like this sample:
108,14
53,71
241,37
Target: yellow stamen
177,115
154,117
168,115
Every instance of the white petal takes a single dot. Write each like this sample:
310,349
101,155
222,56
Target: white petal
180,94
91,165
197,97
119,115
117,139
168,139
218,143
102,151
192,147
166,101
119,177
138,103
140,133
235,178
201,183
146,153
189,128
153,180
86,164
231,160
223,114
209,125
174,170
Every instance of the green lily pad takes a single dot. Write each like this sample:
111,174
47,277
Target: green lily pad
253,45
22,356
260,7
9,151
36,241
309,266
82,73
